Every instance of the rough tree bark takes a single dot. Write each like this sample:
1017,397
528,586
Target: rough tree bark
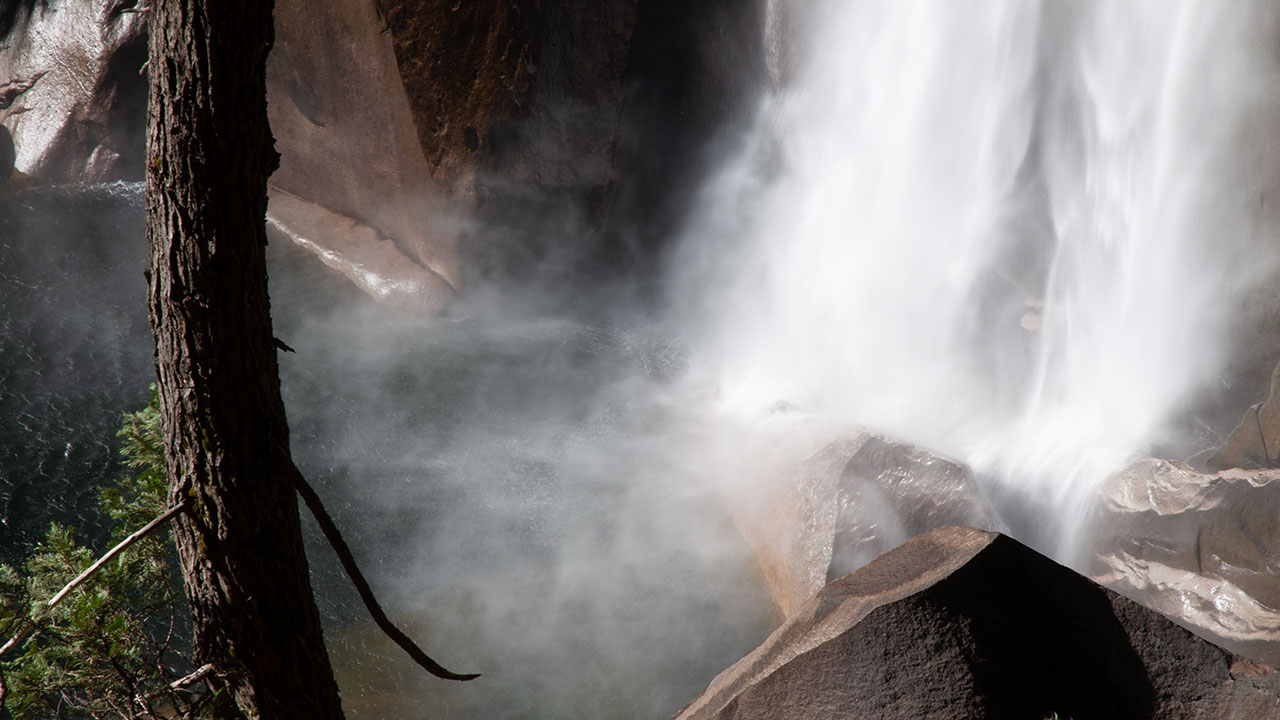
209,153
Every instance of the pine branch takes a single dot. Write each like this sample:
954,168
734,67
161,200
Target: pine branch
97,565
135,537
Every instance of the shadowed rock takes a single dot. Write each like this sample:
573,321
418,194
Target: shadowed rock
7,154
960,623
1255,442
529,91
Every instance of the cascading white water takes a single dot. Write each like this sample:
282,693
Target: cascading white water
1011,231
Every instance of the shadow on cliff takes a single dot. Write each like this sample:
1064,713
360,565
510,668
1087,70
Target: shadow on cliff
591,226
11,10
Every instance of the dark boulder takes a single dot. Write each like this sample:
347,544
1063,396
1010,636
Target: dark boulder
961,623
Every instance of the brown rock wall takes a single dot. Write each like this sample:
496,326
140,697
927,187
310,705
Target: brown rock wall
524,90
1255,441
346,135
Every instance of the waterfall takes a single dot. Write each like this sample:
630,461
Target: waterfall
1014,232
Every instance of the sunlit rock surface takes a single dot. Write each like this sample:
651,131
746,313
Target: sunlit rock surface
1204,549
829,498
962,623
72,92
348,146
825,499
367,258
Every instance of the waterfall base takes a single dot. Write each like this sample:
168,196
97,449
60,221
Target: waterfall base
1199,548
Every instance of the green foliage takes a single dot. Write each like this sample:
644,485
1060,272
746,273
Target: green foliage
138,499
114,645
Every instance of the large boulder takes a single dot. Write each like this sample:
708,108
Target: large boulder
72,93
963,623
1204,549
829,498
1201,548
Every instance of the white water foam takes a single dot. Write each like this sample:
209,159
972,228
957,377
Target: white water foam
1013,232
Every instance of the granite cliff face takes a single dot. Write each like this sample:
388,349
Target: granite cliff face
426,144
353,185
574,132
72,94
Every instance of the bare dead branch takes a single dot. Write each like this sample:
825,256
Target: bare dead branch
380,618
97,565
194,677
135,537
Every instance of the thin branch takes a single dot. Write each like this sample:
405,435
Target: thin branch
135,537
194,677
380,618
17,638
19,622
97,565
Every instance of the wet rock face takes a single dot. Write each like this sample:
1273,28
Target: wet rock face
517,107
962,623
529,91
71,90
840,496
906,488
353,186
1203,549
1255,441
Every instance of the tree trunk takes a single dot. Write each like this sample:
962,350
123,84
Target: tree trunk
209,153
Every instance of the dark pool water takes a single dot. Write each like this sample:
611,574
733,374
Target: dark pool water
75,352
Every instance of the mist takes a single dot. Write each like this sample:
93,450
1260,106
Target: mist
1016,233
1020,234
522,487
